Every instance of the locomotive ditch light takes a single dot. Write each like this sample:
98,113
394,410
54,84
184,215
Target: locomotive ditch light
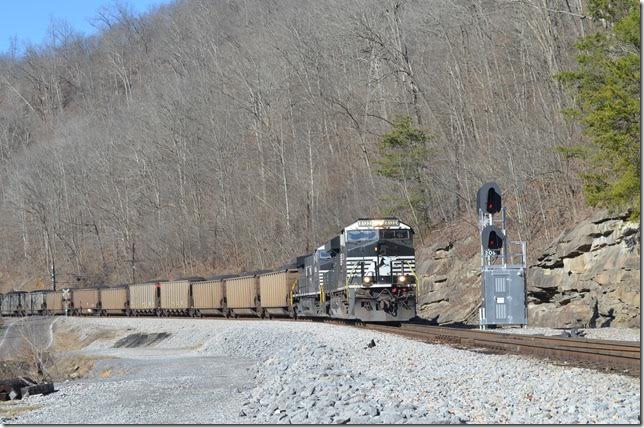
402,279
367,280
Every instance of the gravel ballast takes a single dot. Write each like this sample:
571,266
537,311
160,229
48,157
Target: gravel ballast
223,371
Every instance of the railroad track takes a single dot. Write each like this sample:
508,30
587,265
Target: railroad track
605,355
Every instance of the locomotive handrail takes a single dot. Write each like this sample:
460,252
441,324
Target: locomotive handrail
413,271
346,286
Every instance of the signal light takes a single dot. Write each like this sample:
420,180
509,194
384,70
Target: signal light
488,198
492,238
494,241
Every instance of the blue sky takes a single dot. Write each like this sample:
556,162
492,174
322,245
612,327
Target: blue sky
29,20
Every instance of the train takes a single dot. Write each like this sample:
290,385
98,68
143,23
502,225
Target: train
367,273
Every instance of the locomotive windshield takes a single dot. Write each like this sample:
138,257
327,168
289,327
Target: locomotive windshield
373,235
395,234
361,235
379,242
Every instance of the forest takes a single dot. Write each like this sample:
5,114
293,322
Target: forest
206,137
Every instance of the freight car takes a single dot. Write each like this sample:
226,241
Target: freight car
37,302
4,305
209,297
366,272
242,295
115,300
144,298
16,303
55,303
176,297
275,290
86,301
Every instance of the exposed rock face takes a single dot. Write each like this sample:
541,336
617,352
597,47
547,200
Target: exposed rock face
450,291
590,276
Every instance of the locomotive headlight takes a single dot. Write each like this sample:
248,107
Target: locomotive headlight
367,280
402,279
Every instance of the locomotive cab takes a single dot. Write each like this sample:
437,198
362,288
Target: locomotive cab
380,257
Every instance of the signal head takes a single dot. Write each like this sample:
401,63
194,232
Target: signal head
492,238
488,198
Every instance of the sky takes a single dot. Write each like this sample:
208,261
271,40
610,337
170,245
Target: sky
29,20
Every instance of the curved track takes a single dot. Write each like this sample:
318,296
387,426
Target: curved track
605,355
619,356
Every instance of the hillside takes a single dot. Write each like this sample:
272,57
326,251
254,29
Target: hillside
224,136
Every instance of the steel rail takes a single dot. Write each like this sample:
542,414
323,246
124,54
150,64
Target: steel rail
610,355
577,342
623,356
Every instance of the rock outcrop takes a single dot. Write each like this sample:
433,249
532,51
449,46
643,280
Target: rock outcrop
590,276
450,283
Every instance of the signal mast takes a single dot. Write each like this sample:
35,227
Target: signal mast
503,291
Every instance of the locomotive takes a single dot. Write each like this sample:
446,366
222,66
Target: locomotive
365,273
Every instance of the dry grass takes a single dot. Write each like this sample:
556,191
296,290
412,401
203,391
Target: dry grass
71,367
69,340
105,373
58,362
10,369
66,364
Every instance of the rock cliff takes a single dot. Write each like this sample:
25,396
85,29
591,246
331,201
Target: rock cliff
450,282
589,276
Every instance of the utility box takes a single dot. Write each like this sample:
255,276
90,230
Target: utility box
504,301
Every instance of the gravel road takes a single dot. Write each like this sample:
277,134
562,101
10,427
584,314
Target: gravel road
218,371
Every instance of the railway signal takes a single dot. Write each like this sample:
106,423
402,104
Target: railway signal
488,198
492,239
503,279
